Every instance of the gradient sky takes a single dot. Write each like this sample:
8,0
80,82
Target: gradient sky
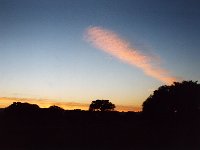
44,52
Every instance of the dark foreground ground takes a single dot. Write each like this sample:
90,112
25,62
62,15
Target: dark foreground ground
70,130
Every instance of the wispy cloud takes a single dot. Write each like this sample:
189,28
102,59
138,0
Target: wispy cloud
45,103
112,44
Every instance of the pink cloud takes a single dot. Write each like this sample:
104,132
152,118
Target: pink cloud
112,44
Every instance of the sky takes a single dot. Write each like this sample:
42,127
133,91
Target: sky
75,51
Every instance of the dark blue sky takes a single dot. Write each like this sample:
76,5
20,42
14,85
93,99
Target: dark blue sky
43,53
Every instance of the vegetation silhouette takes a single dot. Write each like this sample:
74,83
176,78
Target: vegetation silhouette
179,98
18,108
101,105
27,126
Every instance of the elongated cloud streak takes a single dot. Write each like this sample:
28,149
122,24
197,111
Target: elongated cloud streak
112,44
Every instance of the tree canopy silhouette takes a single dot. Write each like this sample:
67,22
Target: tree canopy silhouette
179,97
101,105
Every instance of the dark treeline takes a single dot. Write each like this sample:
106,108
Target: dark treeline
170,120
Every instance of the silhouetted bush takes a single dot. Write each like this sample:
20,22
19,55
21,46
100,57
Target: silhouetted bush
56,108
55,111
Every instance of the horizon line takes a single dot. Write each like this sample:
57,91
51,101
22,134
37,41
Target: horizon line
46,103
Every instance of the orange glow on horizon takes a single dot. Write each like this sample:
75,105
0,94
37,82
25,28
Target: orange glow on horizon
6,101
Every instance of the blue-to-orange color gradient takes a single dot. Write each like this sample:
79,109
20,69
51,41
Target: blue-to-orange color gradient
51,49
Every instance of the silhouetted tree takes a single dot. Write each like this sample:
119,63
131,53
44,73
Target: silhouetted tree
177,98
101,105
